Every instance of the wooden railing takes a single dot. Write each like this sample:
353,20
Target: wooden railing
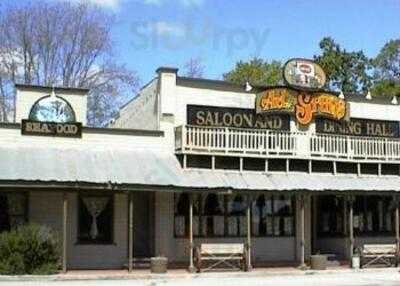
262,143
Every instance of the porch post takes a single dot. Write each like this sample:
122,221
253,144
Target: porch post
65,231
397,221
249,267
351,230
130,233
302,234
191,245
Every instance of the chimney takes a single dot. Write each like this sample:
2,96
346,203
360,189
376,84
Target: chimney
167,88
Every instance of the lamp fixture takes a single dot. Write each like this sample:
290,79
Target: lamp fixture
248,86
368,96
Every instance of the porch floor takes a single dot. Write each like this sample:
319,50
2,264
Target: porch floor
183,273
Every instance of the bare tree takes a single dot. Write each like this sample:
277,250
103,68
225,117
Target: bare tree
194,68
62,44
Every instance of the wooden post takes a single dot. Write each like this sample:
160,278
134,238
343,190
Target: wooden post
191,244
302,234
249,267
351,230
397,221
130,233
65,232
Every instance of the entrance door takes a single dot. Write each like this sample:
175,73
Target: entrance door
143,218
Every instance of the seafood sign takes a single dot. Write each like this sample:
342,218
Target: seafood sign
305,106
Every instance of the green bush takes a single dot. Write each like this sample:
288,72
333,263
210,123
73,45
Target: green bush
29,249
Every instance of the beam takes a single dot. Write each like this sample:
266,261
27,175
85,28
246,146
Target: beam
351,229
130,233
191,245
397,221
249,267
302,233
65,232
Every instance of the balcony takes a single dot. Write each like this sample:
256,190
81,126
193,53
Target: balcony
282,144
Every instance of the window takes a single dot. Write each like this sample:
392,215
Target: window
212,216
237,216
330,215
225,215
273,216
373,215
13,210
95,219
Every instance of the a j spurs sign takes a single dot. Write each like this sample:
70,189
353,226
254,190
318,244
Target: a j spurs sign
52,115
303,96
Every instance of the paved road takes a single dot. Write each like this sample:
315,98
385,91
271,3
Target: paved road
347,279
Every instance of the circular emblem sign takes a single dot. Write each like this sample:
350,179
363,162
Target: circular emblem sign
304,74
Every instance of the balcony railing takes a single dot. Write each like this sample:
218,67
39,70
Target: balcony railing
268,143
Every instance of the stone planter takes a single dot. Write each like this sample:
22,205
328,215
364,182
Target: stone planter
158,264
318,262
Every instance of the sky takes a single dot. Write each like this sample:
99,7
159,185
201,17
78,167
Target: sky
152,33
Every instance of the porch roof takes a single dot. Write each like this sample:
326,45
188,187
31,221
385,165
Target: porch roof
127,168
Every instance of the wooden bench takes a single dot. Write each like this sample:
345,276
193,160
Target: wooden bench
232,255
385,254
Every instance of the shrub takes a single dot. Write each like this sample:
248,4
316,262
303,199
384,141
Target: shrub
29,249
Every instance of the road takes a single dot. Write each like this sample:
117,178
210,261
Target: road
342,279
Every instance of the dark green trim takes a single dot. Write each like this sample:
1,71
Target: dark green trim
10,125
100,130
82,91
167,70
122,131
79,186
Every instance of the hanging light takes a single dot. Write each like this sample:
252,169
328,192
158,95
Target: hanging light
368,96
53,93
341,95
248,86
394,100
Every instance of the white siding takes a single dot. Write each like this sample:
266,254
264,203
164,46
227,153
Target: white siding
141,112
46,208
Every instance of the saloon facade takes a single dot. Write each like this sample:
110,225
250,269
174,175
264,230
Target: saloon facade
290,170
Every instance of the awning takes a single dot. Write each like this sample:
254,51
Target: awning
126,168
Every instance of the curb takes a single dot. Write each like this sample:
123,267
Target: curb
170,276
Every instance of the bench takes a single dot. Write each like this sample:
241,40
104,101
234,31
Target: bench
385,254
232,255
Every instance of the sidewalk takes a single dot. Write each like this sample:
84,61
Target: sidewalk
76,275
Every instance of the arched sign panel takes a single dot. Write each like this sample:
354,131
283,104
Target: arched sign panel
52,115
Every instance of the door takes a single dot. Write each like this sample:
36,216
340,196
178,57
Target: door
143,219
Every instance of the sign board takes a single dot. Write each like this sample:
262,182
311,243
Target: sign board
303,105
304,74
30,127
52,115
359,127
202,115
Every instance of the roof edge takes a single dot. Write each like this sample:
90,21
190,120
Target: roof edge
80,90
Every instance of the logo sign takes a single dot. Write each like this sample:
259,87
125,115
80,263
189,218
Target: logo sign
303,105
359,127
201,115
52,115
304,74
51,128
